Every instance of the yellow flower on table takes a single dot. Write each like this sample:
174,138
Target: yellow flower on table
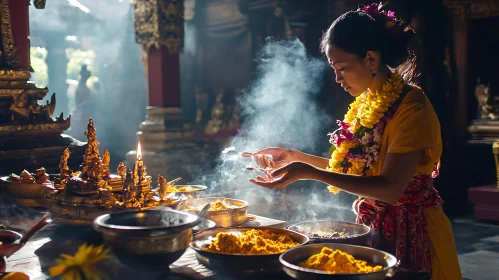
81,266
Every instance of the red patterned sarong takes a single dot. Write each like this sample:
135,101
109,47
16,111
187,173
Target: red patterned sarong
400,228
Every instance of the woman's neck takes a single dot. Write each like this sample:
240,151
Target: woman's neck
381,76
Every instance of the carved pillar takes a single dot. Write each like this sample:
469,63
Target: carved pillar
461,59
159,29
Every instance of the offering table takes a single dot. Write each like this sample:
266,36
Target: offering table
39,254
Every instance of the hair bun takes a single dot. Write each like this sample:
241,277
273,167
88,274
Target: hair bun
396,32
395,50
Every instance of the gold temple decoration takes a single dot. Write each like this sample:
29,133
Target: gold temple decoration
163,186
77,197
121,170
225,114
495,150
64,170
9,48
486,109
159,23
26,115
216,124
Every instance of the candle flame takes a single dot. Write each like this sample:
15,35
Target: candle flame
139,152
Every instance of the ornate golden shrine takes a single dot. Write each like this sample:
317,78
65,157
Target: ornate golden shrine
78,197
29,136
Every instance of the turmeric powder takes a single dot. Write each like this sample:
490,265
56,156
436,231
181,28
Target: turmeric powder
218,205
336,261
251,242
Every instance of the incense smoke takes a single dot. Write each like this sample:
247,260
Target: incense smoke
280,110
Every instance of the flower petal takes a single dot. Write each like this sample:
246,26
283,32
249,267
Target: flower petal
57,270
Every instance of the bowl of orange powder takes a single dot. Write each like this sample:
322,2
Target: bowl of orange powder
337,261
245,251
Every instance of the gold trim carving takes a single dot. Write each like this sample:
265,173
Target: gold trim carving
159,23
14,74
9,48
474,9
483,9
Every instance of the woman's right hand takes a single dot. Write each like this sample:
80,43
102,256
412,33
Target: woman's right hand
271,157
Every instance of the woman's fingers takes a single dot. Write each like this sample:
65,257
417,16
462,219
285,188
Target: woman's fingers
247,154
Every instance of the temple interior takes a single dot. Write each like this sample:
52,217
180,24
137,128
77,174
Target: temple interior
113,110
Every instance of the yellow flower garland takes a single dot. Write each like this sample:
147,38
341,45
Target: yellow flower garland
366,111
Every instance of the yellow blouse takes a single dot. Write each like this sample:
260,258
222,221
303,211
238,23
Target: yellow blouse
415,127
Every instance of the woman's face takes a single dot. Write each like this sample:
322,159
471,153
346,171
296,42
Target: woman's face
355,75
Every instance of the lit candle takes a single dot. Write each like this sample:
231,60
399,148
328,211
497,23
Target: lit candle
140,164
139,152
136,165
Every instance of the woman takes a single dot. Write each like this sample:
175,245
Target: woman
387,149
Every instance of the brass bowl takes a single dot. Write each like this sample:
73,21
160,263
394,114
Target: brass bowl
359,233
293,256
239,264
26,194
149,239
223,218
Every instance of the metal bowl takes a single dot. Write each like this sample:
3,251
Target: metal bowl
204,225
292,257
26,194
149,239
360,232
10,242
238,264
223,218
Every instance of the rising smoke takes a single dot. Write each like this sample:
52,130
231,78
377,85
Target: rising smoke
280,110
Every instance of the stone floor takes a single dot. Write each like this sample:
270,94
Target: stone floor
477,244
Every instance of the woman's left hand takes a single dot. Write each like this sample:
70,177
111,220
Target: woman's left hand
285,175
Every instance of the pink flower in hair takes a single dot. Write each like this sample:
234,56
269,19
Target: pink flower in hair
391,15
372,10
386,19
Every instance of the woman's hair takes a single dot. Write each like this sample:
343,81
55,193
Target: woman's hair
369,29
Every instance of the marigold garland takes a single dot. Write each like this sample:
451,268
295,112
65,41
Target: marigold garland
356,143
